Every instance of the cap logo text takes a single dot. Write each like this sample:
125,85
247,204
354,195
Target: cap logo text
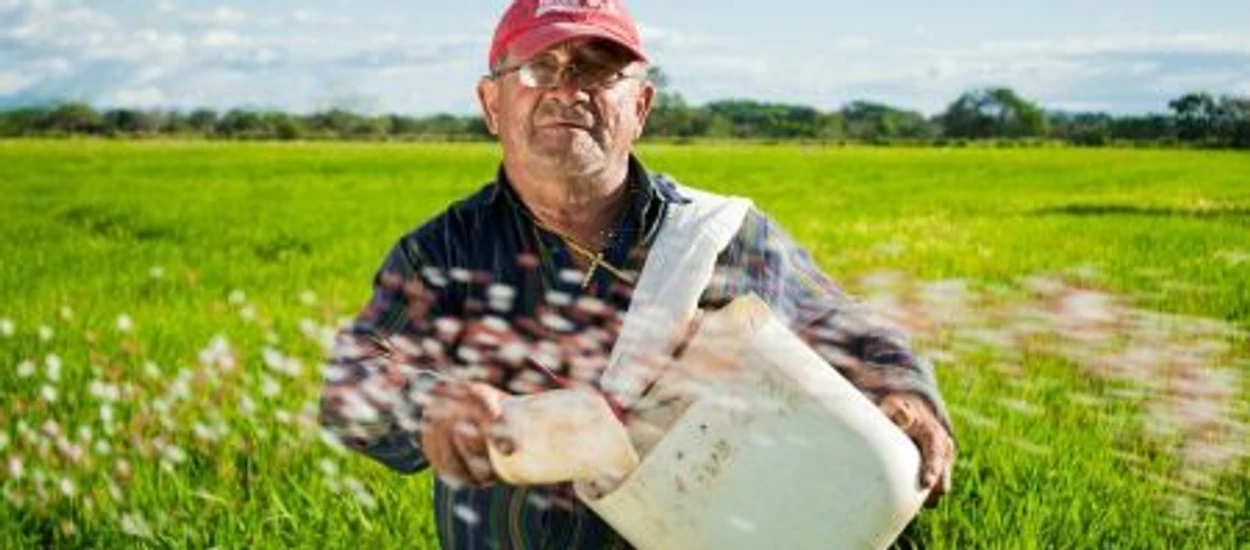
549,6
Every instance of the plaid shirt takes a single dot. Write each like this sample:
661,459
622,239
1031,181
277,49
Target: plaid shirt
483,272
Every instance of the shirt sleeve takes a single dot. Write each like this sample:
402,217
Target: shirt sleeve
376,380
764,260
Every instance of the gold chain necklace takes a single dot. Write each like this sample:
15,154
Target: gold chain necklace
596,258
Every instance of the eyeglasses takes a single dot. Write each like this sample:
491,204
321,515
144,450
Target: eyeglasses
588,73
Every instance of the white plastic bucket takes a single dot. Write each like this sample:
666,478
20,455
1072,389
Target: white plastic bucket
776,450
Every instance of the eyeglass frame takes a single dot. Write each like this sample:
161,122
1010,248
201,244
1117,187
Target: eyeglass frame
561,80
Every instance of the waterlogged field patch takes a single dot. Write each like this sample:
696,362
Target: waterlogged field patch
165,309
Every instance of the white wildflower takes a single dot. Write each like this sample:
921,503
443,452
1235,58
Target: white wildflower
247,405
156,272
52,364
67,487
307,298
16,470
237,297
134,525
362,494
26,369
203,432
173,454
248,313
106,413
218,353
102,447
332,441
48,393
7,328
125,323
269,387
151,370
45,333
104,391
66,313
328,467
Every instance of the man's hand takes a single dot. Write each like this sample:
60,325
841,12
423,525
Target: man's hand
937,450
459,419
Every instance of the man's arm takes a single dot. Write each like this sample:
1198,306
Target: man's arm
373,394
391,389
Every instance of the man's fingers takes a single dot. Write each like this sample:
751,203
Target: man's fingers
441,452
900,411
937,457
470,445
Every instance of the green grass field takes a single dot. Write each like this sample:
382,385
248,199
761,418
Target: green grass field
162,306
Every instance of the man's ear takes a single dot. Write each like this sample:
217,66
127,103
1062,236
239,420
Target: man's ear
642,106
488,98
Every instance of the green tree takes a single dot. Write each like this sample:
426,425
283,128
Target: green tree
202,121
871,121
1195,116
71,118
993,113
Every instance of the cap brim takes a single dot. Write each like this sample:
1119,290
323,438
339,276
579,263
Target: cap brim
539,40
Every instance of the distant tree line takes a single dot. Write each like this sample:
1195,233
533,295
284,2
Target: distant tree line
1000,114
68,119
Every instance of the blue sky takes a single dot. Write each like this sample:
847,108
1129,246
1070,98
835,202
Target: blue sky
424,56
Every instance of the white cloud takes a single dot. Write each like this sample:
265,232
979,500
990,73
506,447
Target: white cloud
1121,72
223,39
308,58
14,81
222,16
148,96
312,17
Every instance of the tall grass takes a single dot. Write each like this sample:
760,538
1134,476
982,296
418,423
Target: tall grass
164,307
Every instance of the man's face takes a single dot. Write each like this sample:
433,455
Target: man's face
569,130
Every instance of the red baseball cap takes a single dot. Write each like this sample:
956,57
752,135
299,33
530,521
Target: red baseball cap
531,26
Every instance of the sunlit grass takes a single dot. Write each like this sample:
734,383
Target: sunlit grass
164,307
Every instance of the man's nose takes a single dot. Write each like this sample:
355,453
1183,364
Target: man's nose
568,92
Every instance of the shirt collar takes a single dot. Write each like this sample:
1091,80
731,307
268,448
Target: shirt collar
652,187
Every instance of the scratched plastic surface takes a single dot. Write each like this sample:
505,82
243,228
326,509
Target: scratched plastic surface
774,450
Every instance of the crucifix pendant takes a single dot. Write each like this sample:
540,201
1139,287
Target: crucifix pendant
590,270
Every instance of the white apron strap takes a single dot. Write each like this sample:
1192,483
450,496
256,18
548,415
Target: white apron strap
677,270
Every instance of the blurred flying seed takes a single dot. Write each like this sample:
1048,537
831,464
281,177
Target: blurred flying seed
468,515
571,277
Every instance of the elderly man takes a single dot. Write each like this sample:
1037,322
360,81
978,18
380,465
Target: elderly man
419,378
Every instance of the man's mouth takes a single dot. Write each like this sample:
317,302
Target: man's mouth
568,125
